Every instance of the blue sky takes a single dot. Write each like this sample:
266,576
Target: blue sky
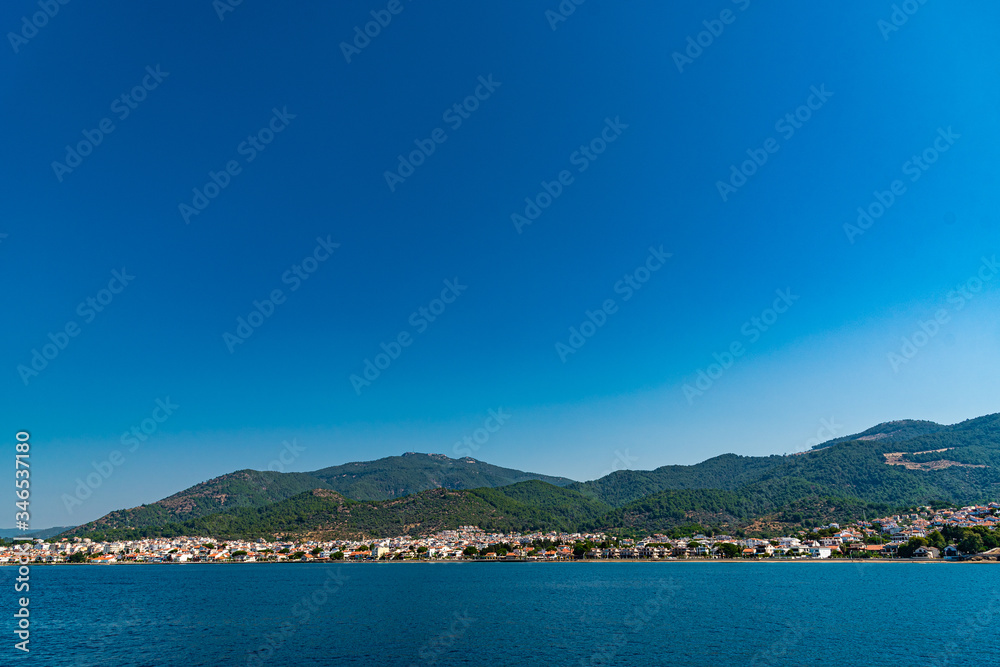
641,139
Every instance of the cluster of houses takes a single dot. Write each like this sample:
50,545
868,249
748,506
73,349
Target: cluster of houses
875,538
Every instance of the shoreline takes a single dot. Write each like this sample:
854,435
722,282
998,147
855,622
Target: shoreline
857,561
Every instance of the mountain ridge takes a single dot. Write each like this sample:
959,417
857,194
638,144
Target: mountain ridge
894,464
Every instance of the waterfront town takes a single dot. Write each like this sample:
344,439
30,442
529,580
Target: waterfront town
889,537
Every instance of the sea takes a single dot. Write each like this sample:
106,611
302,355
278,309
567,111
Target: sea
577,613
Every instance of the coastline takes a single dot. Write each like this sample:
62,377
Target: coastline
772,561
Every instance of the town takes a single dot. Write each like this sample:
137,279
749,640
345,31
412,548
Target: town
923,534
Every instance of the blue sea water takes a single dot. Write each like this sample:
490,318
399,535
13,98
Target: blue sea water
513,613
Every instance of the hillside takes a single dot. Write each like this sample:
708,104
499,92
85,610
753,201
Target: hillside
243,488
894,465
391,477
914,463
728,471
903,429
398,476
526,506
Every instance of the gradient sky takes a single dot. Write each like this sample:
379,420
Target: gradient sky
618,401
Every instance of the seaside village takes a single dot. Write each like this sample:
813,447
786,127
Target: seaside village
879,538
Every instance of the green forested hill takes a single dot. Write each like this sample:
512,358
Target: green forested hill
391,477
522,507
243,488
728,471
902,429
915,463
847,468
398,476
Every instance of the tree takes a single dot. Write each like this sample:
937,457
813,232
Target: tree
317,551
729,550
337,555
906,550
238,553
78,557
297,555
972,544
936,540
470,551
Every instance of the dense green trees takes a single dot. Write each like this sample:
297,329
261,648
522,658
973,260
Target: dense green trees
729,550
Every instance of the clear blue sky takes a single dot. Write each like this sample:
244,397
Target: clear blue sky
644,137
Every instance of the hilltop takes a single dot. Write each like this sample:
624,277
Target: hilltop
893,465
